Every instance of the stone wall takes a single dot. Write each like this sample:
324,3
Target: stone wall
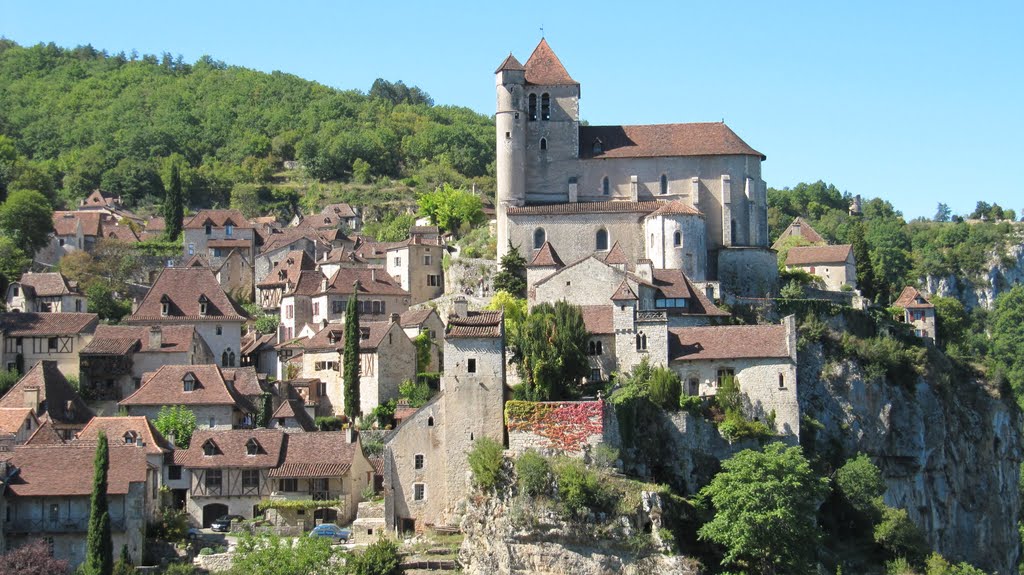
574,235
471,276
750,272
570,427
222,415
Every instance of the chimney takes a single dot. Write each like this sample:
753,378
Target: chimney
323,284
156,337
695,191
394,318
645,269
460,307
170,439
634,189
351,434
31,398
573,190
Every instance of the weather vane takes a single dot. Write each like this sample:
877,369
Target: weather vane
541,30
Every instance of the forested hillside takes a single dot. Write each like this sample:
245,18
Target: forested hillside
72,120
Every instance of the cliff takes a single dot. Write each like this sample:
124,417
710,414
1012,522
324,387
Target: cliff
1002,274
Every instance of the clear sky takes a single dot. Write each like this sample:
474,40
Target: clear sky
915,102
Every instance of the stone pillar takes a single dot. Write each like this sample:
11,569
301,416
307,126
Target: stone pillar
634,189
726,210
573,190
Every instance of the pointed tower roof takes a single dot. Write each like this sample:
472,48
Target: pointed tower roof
624,292
510,63
547,257
544,68
616,256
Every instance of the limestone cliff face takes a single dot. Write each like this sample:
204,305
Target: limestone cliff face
983,292
951,457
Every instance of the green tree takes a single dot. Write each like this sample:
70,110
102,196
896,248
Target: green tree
485,461
350,358
379,558
942,213
865,273
549,349
900,536
952,324
105,303
174,205
533,473
512,277
861,484
1007,321
266,410
665,388
8,160
512,307
451,208
765,504
269,554
7,380
27,218
13,261
99,552
416,392
176,420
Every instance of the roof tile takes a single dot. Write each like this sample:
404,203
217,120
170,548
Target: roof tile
662,140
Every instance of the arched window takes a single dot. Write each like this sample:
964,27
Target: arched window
430,422
224,358
538,238
677,238
664,184
782,381
605,186
641,341
533,107
543,143
601,240
545,107
231,359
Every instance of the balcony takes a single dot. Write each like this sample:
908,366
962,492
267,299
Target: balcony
314,495
60,525
651,316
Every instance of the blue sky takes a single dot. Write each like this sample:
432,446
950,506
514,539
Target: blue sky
915,102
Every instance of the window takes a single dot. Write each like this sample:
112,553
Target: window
679,302
419,491
250,478
543,143
252,447
533,107
54,512
209,229
289,485
231,359
427,260
228,229
601,240
14,291
316,308
782,381
595,374
337,306
289,311
188,382
212,422
51,344
419,461
434,280
173,472
724,374
364,333
321,388
430,422
165,308
398,261
732,232
137,382
538,238
595,347
664,184
641,341
202,305
545,107
130,437
677,238
213,479
78,305
605,186
219,329
471,365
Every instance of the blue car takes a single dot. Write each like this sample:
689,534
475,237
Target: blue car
335,533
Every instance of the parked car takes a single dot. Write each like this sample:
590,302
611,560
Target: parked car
224,523
335,533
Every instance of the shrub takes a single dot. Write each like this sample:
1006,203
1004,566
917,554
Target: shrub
380,558
899,566
485,462
368,492
860,482
169,525
691,404
665,388
328,423
533,472
206,551
580,488
416,392
900,536
180,569
605,455
735,427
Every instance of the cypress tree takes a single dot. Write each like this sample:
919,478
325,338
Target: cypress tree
99,558
512,277
174,208
266,410
351,357
865,273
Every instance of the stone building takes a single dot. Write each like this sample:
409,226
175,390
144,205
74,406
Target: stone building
214,233
46,391
417,321
426,471
284,273
918,311
17,424
58,338
835,265
800,228
132,432
416,264
201,388
45,293
685,196
378,293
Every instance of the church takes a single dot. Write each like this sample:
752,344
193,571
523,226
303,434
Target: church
685,197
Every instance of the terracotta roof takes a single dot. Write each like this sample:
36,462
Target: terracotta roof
910,298
244,380
218,219
405,412
547,257
117,427
624,292
415,317
377,463
287,269
727,342
662,140
65,223
510,63
335,211
13,418
675,284
800,227
308,283
47,284
371,282
424,230
157,224
119,232
29,324
293,408
806,255
282,238
479,324
322,340
182,288
610,207
616,256
166,386
253,342
118,339
98,199
67,469
63,404
232,448
233,243
676,207
45,434
598,319
544,68
316,454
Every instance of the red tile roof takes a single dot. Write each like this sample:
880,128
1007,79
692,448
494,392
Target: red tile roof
166,386
117,427
610,207
13,418
675,284
322,340
231,449
183,287
47,284
65,223
63,404
910,298
287,269
316,454
282,238
800,227
510,63
47,324
118,339
728,342
371,282
479,324
45,434
294,409
67,469
218,219
616,256
662,140
598,319
677,207
547,257
808,255
233,243
415,317
544,68
624,292
121,233
335,212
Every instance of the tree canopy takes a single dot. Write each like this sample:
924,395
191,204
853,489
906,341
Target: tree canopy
549,347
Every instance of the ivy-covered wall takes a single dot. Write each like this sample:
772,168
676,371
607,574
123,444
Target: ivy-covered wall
549,427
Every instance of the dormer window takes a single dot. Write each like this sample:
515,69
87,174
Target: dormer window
228,229
209,448
332,337
282,275
165,306
131,438
364,333
204,303
252,447
598,146
209,228
188,382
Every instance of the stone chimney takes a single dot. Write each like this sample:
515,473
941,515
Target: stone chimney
634,189
156,337
460,307
573,190
351,434
31,398
323,284
645,269
394,318
695,192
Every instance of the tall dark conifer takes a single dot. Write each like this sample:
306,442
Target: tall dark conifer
865,273
99,558
174,205
351,357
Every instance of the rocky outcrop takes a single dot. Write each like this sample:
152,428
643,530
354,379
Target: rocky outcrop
1003,273
950,454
